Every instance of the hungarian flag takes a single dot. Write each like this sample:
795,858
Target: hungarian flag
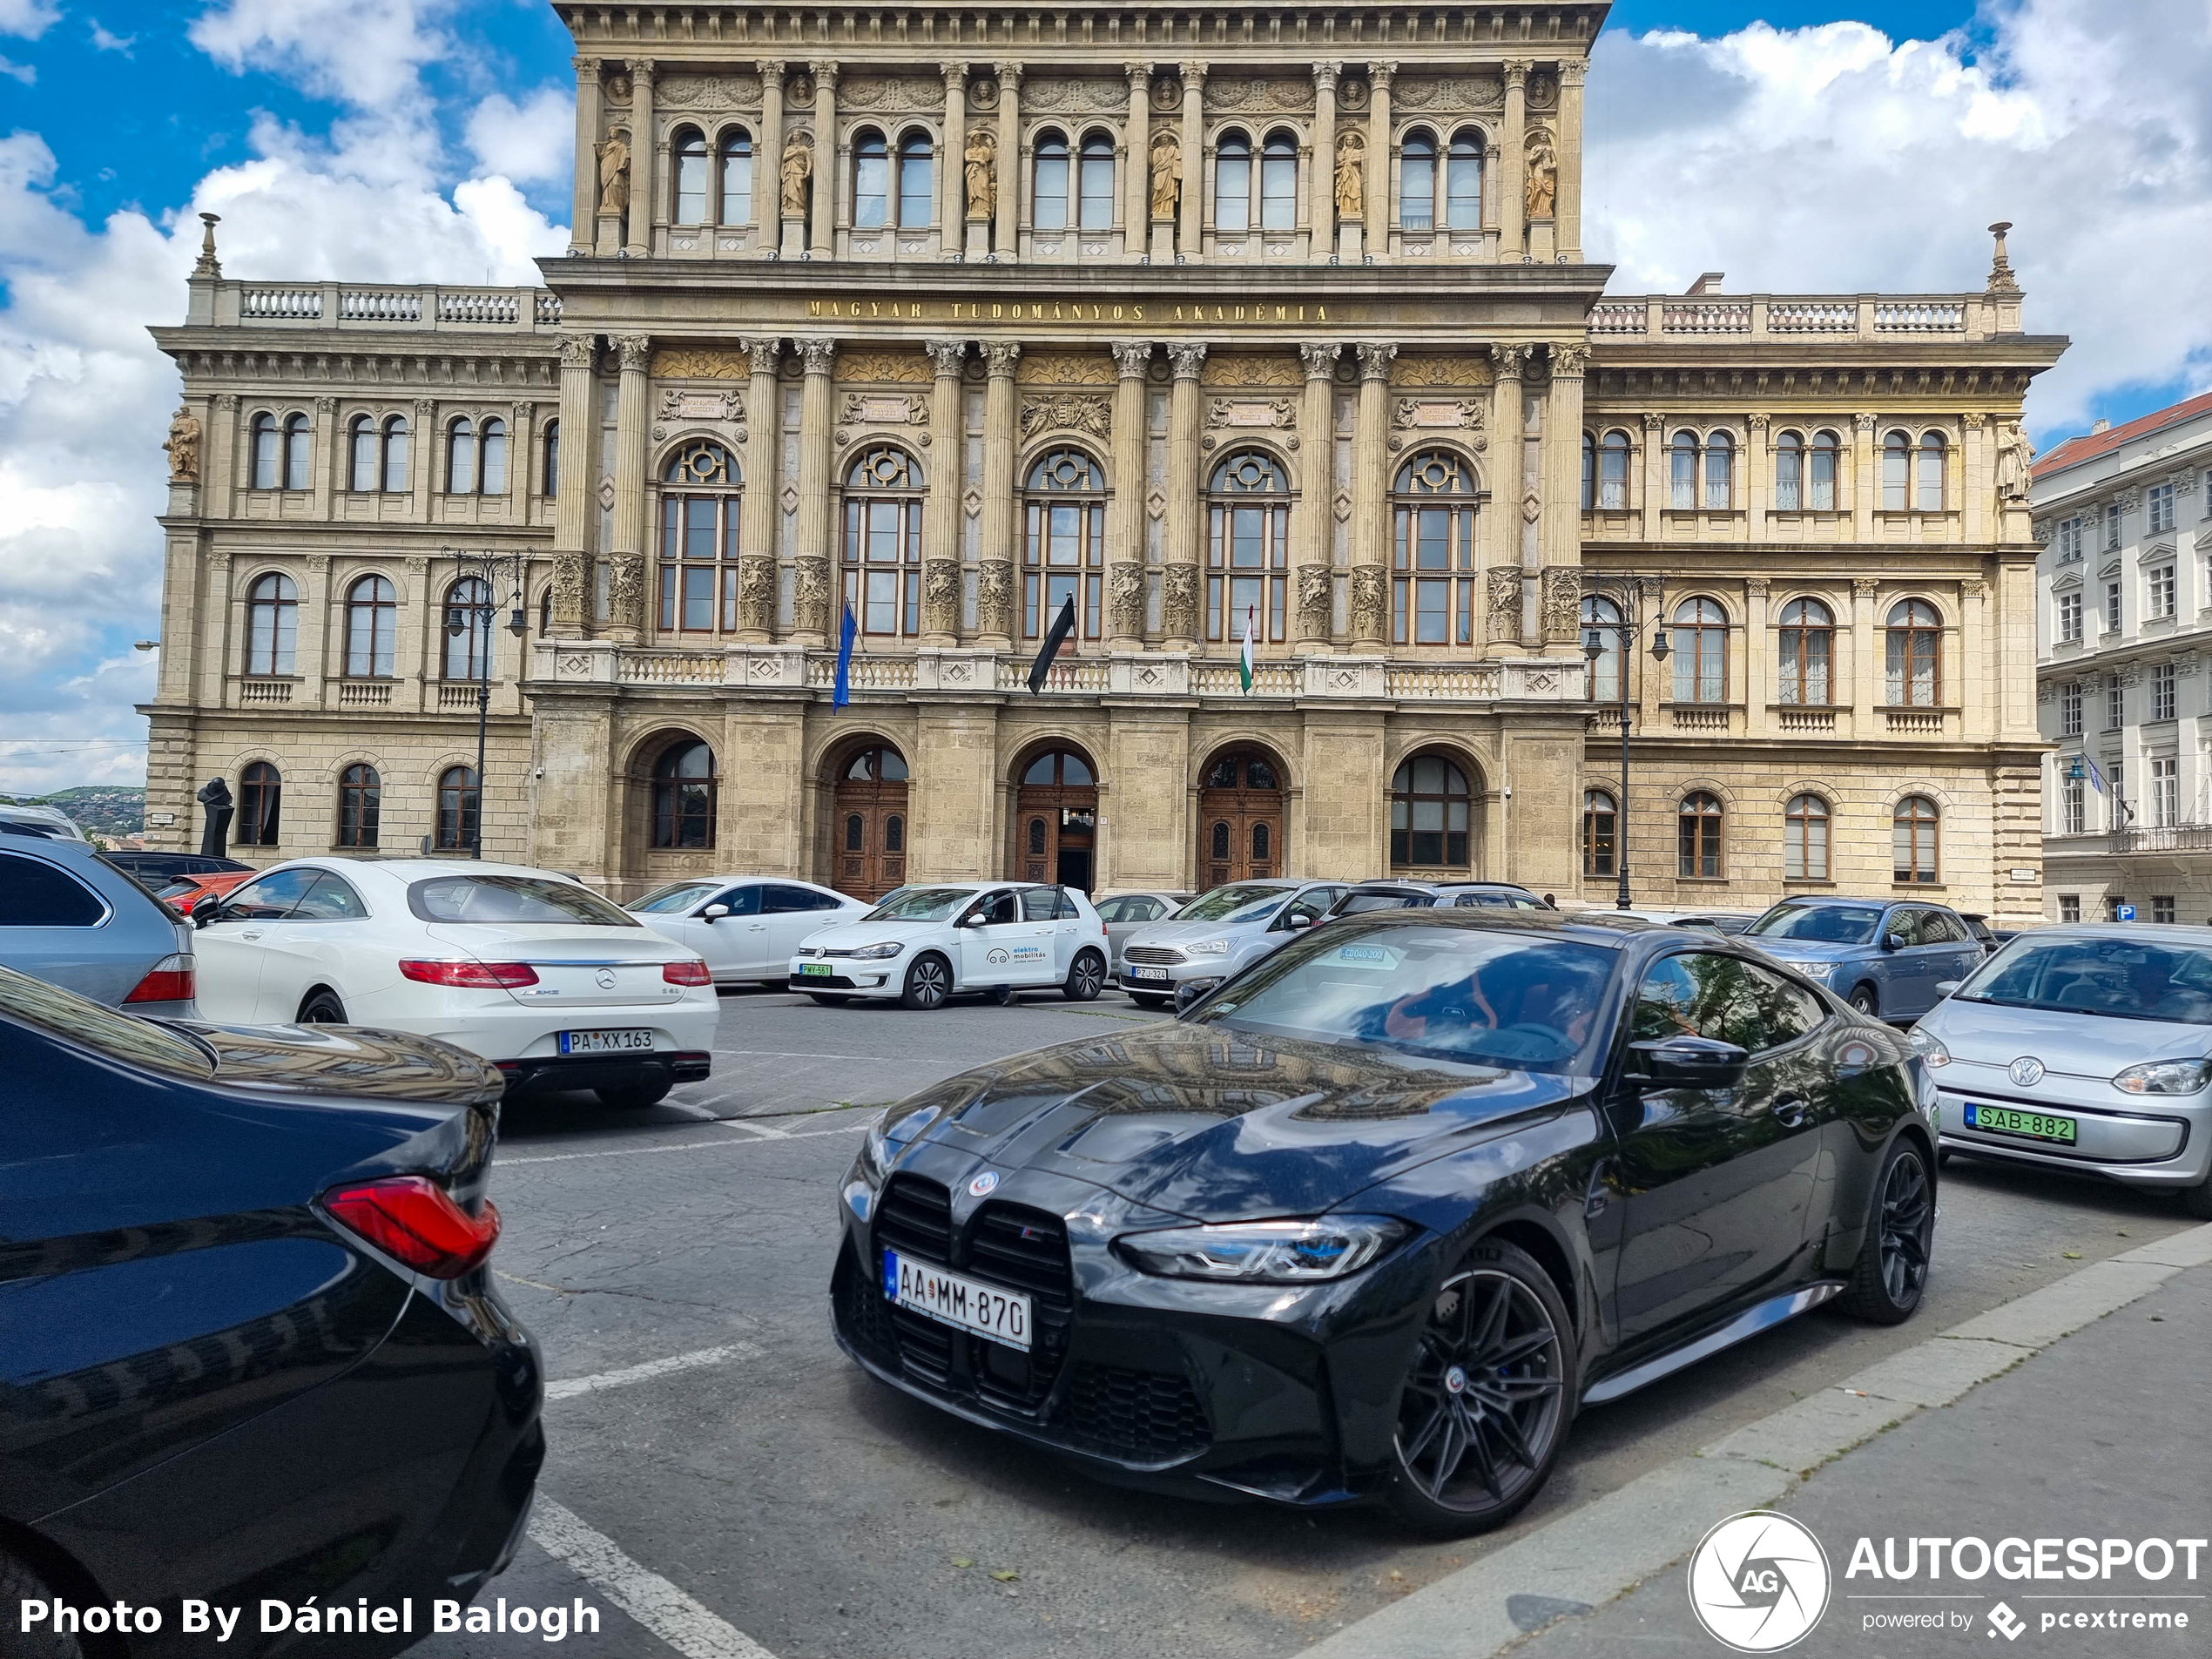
1245,662
1056,636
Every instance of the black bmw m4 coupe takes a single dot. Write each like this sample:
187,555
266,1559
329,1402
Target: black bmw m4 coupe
1379,1215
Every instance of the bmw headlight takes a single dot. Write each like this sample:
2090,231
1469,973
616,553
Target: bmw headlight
1265,1252
877,953
1929,1047
1211,948
2165,1077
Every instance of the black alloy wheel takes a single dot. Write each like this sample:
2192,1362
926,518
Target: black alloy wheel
930,982
1485,1405
322,1009
1086,976
632,1097
1893,1271
1863,999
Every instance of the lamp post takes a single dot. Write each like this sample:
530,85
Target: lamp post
492,571
1625,627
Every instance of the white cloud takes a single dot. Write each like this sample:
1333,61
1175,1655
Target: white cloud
530,143
107,40
1826,159
16,71
28,19
370,53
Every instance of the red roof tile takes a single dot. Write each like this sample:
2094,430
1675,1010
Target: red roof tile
2090,445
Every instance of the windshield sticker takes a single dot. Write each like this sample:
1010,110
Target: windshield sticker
1364,956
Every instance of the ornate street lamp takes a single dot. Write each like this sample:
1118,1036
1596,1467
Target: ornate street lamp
1593,648
492,572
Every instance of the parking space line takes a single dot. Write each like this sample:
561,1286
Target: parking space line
569,1387
693,1630
680,1146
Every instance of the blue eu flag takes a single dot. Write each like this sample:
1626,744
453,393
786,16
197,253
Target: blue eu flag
843,694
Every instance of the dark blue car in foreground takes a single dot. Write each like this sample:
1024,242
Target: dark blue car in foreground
249,1345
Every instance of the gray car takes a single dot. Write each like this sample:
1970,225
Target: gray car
2086,1048
69,917
1885,958
1218,932
1129,913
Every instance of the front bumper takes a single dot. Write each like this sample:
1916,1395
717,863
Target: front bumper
2146,1145
1197,970
885,977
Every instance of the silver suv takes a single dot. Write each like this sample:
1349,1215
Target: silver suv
1218,932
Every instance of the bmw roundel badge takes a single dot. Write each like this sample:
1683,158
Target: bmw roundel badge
983,1184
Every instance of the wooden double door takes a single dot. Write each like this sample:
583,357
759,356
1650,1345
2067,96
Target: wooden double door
868,824
1240,818
1055,821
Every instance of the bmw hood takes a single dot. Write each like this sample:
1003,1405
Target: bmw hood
1218,1125
2079,1045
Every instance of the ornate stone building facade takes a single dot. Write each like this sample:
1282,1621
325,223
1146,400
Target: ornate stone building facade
1272,320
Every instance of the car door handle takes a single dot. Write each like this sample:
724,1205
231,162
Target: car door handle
253,934
1791,1111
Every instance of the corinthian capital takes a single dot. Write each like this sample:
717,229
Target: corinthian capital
1009,77
1569,361
1320,356
1375,359
1188,356
1000,356
1324,77
576,351
1132,358
1140,77
766,355
1511,360
1517,70
634,353
1572,71
1379,75
947,356
816,355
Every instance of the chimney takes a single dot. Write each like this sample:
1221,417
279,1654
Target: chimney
1708,283
2095,427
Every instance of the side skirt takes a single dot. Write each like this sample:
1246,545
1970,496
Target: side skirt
1764,1316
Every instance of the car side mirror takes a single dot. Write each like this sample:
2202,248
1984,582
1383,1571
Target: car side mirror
714,913
1945,986
1686,1063
208,909
972,918
1301,921
1893,941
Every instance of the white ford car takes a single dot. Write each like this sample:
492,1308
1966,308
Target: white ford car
934,939
534,972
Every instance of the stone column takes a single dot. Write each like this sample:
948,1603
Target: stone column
320,620
940,524
828,162
1975,688
1136,166
1567,206
583,211
1507,598
812,563
952,169
1512,164
1866,691
1654,472
328,449
1758,688
1006,237
1190,234
1369,468
423,459
1562,447
1865,478
626,588
1377,237
1321,184
1758,477
763,426
572,507
1179,602
1317,439
522,438
645,159
1126,542
1974,478
995,608
767,160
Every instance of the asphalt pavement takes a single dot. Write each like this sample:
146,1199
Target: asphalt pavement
719,1467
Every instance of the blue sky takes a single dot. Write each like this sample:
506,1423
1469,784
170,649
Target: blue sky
1800,145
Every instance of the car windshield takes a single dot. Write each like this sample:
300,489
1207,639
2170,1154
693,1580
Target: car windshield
2124,979
507,899
87,1024
680,895
923,904
1242,901
1478,998
1819,924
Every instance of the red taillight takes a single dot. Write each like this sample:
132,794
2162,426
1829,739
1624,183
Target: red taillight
414,1218
691,973
471,975
169,980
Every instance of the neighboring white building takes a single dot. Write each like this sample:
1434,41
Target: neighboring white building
2124,667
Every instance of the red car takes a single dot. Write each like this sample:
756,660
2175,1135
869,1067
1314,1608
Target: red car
181,893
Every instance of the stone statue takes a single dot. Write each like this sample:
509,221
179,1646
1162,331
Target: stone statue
1167,176
796,169
2015,462
215,826
981,175
614,173
1352,177
1543,174
183,448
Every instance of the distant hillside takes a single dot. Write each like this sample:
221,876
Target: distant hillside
108,809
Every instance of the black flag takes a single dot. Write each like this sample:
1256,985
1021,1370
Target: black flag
1062,625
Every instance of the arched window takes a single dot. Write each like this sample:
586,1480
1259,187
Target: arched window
1064,555
1232,183
1927,490
461,458
691,176
1417,181
1605,471
365,471
1699,822
271,624
1097,182
1260,842
1789,473
1049,198
1808,652
457,809
1429,810
1248,550
468,622
1433,556
545,612
1278,182
883,500
360,800
700,508
491,476
298,453
1820,487
1914,679
1600,821
1913,827
266,473
1897,470
735,159
1720,472
871,181
1036,837
372,626
1589,472
1682,471
917,181
877,766
260,805
1463,182
894,833
1805,840
684,796
552,459
1602,625
395,455
1701,651
1220,842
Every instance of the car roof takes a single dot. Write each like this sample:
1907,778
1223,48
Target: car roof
1591,928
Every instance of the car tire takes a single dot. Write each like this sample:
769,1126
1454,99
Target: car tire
1865,1001
1488,1396
930,982
1143,1001
322,1008
829,1000
1892,1272
2196,1201
1086,977
18,1583
634,1097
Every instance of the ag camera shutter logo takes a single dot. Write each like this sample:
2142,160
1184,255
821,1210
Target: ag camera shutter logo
1759,1581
